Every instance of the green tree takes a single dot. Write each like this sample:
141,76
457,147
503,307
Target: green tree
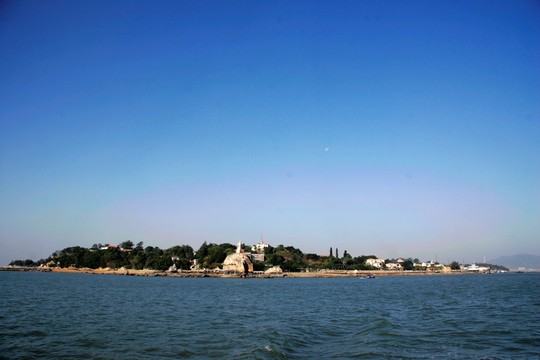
313,257
92,259
455,265
258,266
112,258
183,264
347,259
275,259
216,256
127,244
25,263
183,252
331,254
336,263
289,266
408,265
202,253
163,262
138,260
269,250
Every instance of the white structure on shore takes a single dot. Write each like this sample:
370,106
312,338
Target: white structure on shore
239,261
474,267
393,266
376,263
260,246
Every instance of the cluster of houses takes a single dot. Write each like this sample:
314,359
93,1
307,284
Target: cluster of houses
107,247
380,263
242,261
428,265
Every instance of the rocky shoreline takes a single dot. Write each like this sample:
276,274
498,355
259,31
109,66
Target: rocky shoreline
222,274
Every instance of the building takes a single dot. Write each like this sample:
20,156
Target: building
376,263
260,247
256,257
475,267
114,247
393,266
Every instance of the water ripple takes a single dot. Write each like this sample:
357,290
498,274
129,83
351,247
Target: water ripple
80,316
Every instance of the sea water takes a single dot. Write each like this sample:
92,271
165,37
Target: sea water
83,316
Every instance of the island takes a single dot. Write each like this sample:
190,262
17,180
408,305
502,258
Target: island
226,260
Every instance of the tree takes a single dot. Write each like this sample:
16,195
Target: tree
216,255
454,265
183,264
337,253
92,259
275,259
347,259
289,266
202,252
359,262
154,259
331,254
112,258
313,257
258,266
408,265
127,244
139,260
183,252
26,263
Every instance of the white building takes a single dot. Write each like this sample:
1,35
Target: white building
393,266
475,267
376,263
260,246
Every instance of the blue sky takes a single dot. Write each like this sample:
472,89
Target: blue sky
377,127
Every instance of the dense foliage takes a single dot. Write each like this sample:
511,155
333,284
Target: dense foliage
116,257
27,263
208,256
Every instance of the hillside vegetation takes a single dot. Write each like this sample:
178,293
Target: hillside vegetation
208,256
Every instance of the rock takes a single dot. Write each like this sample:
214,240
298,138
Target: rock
238,262
274,270
172,269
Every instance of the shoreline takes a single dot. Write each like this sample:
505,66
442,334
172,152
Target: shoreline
221,274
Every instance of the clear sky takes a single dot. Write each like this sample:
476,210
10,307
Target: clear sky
394,128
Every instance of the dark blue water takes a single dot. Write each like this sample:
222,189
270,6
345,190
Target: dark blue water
81,316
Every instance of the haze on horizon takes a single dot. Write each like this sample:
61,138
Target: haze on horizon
400,129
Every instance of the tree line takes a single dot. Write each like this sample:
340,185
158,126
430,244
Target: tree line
208,256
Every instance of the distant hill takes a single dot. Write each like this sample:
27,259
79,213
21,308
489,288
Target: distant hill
518,261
